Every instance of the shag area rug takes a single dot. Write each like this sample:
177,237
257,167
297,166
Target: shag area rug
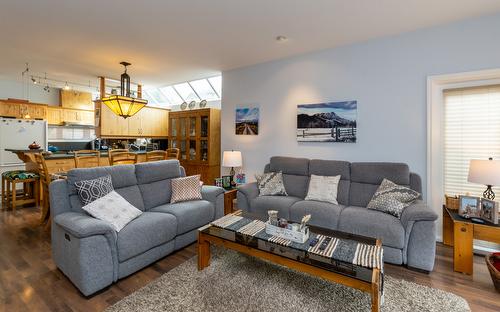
235,282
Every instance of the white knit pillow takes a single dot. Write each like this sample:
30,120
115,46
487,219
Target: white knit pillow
323,188
114,209
184,189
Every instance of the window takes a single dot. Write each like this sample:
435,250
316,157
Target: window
186,92
172,96
216,82
471,131
204,89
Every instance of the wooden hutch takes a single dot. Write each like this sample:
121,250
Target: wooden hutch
196,133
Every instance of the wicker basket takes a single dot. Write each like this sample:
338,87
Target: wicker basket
495,274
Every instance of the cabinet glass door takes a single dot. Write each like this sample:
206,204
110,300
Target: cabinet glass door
173,127
192,149
183,127
192,126
204,150
183,150
204,126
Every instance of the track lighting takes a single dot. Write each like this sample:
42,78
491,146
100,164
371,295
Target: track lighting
34,80
66,86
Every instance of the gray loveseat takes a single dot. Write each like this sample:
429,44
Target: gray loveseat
410,240
93,255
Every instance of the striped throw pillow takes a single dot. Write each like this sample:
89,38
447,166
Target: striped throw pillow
187,188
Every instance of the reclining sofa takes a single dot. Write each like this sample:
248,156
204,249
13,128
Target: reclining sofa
93,255
410,240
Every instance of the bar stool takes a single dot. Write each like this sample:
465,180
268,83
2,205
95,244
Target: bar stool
30,194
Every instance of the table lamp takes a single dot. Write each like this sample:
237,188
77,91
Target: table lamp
485,172
232,159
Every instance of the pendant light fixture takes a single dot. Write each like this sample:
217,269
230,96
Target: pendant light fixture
124,105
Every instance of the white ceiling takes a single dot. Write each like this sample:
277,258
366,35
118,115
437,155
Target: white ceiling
169,41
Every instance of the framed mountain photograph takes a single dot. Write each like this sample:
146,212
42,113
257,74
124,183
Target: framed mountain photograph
247,121
327,122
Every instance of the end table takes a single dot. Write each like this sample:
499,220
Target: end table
460,233
229,197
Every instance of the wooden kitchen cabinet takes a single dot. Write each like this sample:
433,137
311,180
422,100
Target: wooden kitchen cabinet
9,109
148,122
54,115
72,99
78,116
34,111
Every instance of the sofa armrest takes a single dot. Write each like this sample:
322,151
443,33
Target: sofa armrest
215,195
210,192
59,198
418,211
245,194
81,225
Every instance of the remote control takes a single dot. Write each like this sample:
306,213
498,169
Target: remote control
325,243
313,242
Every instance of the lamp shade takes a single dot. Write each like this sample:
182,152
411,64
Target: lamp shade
231,159
124,106
486,172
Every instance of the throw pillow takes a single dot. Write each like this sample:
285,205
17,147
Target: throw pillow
186,188
90,190
271,183
323,188
114,209
392,198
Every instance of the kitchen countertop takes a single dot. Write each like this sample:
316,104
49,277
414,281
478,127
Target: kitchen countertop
61,155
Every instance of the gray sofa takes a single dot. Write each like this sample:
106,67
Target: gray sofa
410,240
93,255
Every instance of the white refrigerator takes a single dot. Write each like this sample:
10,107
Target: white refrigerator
19,134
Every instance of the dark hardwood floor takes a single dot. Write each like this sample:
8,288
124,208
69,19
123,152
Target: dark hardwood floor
29,280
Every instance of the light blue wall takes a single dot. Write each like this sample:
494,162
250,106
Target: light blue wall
14,89
386,76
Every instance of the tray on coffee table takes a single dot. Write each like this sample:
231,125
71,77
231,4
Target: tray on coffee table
342,262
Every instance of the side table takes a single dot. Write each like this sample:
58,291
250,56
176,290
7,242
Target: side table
460,233
229,197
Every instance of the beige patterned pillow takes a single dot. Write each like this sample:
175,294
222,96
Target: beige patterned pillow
323,188
271,183
187,188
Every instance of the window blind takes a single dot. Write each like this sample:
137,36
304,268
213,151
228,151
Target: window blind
471,131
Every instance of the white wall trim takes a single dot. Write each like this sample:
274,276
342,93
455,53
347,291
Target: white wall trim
435,86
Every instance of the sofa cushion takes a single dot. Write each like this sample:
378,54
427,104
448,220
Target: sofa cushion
289,165
121,176
282,204
330,168
149,230
323,214
296,185
190,214
149,172
375,172
373,223
156,193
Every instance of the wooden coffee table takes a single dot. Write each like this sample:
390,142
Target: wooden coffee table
297,257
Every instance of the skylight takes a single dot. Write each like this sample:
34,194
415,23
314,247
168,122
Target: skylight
196,90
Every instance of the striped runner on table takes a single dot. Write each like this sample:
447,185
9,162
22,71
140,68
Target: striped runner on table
226,221
328,251
252,228
368,255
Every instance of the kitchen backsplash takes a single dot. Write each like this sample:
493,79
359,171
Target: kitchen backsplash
58,133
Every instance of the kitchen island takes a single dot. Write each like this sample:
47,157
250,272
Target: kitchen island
61,161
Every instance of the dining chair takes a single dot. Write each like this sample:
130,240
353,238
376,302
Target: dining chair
156,155
123,158
45,180
87,158
113,151
173,153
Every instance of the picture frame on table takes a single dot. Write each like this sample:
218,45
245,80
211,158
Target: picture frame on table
489,210
239,178
470,207
226,182
219,182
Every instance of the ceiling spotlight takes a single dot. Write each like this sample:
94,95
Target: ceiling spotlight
66,86
34,80
281,38
46,88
